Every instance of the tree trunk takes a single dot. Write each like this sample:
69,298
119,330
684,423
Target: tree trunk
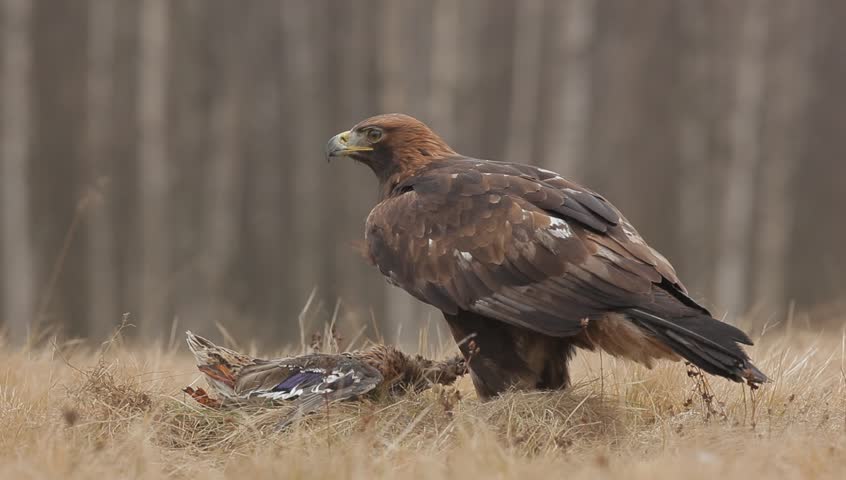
302,50
525,84
224,168
103,310
745,153
445,65
693,150
268,203
15,137
564,144
153,171
470,48
787,95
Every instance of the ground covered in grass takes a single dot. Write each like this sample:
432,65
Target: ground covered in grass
67,412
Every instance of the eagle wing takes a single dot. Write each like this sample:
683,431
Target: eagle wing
518,244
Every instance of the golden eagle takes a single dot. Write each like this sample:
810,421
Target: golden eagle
526,263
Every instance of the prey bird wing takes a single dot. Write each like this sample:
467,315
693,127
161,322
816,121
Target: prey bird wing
324,376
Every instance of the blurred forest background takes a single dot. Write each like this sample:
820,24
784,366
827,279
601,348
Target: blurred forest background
165,158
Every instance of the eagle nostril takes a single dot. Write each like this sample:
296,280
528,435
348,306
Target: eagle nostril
344,137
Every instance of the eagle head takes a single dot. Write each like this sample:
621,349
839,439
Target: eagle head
391,145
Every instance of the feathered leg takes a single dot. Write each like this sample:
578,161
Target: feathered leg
501,356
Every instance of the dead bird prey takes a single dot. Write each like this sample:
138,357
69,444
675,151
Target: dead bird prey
309,381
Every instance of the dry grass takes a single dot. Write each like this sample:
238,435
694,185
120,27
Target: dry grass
68,413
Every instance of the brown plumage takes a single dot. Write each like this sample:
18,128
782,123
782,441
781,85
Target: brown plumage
526,263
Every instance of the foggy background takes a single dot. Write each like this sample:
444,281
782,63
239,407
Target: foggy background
165,158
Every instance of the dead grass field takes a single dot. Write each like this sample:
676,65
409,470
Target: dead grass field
70,413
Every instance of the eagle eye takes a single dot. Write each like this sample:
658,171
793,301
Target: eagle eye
373,135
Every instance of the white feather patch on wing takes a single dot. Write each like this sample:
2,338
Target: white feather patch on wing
321,388
559,228
292,393
552,174
464,257
632,235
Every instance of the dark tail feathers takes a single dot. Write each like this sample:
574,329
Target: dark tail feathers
706,342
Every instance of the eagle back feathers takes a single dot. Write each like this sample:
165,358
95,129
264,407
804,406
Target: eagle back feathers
516,243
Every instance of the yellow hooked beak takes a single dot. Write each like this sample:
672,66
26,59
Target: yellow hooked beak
344,144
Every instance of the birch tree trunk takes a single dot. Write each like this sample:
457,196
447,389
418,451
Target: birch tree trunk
737,219
103,311
15,136
153,171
